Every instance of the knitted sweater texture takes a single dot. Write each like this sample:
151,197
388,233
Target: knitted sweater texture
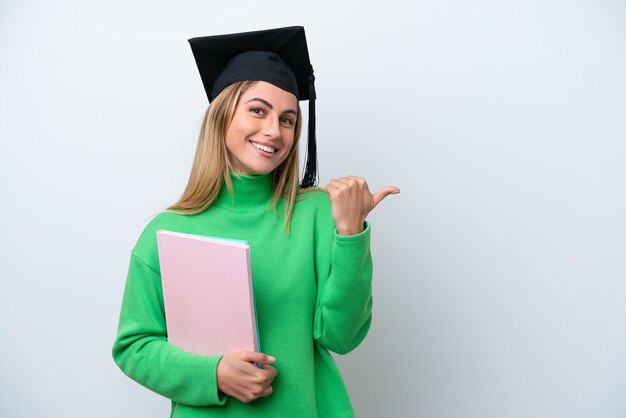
313,295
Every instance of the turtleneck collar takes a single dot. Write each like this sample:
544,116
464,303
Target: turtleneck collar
249,192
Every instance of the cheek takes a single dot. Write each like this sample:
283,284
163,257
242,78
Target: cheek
230,139
288,145
288,139
242,125
237,133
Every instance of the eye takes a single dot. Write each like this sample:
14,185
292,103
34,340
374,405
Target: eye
257,111
287,121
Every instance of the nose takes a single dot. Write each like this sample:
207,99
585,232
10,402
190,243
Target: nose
271,128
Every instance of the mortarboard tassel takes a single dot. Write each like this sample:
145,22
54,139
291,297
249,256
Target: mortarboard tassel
310,172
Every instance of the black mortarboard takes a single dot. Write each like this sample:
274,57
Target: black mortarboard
277,56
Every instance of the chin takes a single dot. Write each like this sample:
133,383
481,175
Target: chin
256,171
261,169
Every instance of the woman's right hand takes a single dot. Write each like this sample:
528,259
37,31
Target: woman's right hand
239,377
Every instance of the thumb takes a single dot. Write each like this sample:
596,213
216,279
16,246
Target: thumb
256,357
383,193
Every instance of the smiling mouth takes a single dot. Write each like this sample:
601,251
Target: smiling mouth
263,147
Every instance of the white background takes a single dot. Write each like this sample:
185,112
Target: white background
500,270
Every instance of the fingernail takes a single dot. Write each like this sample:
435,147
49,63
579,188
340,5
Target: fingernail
271,359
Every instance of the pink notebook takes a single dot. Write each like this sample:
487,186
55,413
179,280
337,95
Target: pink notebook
208,294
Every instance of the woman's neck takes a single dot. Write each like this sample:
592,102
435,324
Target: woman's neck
249,192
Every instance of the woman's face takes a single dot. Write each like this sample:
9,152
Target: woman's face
262,131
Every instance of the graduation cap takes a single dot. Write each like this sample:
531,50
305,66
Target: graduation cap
277,56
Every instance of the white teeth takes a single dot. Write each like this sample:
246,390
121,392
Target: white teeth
263,147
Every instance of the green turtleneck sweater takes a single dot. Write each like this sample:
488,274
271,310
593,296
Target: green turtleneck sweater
313,295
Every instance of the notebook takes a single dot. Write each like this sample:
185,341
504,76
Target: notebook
207,293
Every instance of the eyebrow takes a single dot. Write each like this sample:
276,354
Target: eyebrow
269,105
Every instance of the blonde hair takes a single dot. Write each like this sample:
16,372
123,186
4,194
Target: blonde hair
211,164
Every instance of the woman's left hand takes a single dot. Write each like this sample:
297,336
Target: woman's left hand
352,201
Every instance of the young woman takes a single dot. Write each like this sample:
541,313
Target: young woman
309,247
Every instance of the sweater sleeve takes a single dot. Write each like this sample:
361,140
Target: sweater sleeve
143,353
343,310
